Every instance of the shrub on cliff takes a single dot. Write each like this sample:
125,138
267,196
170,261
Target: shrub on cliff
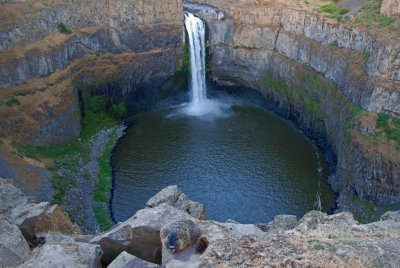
333,9
63,29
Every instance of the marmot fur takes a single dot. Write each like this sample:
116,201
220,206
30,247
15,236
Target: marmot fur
180,234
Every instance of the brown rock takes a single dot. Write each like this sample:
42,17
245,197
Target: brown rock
390,7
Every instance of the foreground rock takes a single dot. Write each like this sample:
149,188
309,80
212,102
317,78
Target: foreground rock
316,240
64,251
33,218
172,196
14,250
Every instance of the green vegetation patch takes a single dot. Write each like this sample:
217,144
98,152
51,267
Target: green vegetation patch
63,29
367,56
182,66
296,95
277,85
386,126
98,113
367,211
312,105
313,81
12,101
61,185
103,186
319,246
102,217
334,10
370,15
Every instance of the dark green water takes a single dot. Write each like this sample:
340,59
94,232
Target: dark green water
249,166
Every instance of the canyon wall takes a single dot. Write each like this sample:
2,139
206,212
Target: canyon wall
329,77
49,49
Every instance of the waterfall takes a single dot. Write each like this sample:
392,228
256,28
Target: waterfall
196,33
199,104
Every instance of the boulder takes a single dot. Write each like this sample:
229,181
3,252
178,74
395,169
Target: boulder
64,251
391,215
33,218
14,249
145,244
168,195
314,219
173,196
284,222
194,209
10,197
153,218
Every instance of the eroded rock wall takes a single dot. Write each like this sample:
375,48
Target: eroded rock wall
42,67
319,73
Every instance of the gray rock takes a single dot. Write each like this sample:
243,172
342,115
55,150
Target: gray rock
314,219
10,197
14,249
239,230
284,222
173,196
126,260
151,217
194,209
64,251
391,215
168,195
33,218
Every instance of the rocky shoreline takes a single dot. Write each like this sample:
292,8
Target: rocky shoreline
315,240
79,199
80,175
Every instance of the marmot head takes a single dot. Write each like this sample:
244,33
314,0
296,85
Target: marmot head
172,242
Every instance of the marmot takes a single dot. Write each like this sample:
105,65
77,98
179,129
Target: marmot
180,234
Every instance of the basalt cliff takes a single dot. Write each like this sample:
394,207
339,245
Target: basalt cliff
43,64
332,78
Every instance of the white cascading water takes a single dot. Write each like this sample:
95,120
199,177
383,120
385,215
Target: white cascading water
196,34
199,104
